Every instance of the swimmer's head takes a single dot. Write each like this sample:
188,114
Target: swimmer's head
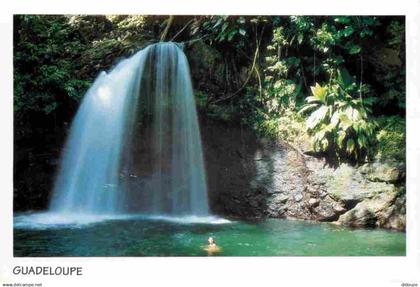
211,240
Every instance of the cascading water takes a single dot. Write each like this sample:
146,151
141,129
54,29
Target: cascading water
134,145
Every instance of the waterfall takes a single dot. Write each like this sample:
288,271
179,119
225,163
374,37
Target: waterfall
134,144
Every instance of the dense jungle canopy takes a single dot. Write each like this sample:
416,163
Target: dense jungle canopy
332,86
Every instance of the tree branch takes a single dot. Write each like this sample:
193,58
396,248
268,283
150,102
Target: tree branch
251,71
168,25
183,28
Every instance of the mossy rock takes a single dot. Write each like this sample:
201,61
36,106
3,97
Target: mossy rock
386,172
347,184
385,210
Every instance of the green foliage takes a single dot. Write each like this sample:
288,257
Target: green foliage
221,112
230,29
285,124
344,32
394,84
258,69
396,32
201,99
289,126
43,64
280,92
390,138
226,29
57,57
306,50
338,119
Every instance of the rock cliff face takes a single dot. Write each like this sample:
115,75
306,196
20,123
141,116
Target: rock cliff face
364,202
248,177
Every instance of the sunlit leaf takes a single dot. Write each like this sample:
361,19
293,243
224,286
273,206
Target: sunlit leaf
354,49
350,145
319,92
348,31
316,117
307,107
300,38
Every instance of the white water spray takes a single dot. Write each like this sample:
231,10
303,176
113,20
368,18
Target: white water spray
134,145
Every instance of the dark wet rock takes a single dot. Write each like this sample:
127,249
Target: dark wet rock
268,178
272,179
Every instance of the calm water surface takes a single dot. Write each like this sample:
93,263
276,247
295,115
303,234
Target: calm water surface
40,234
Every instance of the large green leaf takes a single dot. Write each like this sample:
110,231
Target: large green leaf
340,139
342,19
345,80
311,99
319,92
361,140
335,119
355,49
307,107
347,31
316,117
345,122
350,145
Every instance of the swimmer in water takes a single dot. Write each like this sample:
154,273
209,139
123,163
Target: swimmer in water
212,247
